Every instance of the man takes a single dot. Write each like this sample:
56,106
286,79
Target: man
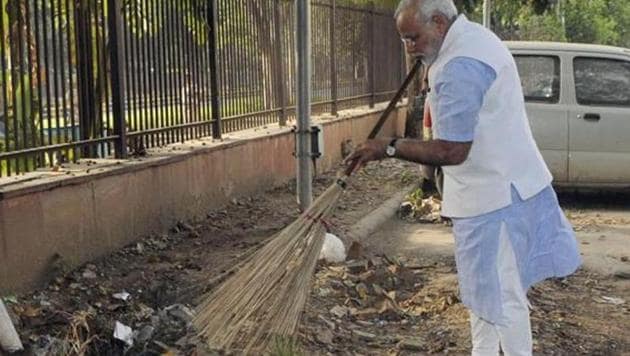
509,230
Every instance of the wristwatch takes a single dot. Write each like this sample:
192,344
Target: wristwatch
390,151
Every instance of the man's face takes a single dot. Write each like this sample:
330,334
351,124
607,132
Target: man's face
421,39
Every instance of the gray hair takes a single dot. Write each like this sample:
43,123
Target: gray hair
427,8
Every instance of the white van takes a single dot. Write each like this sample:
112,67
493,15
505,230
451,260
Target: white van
578,103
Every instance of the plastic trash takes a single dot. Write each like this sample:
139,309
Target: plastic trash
123,333
333,249
9,338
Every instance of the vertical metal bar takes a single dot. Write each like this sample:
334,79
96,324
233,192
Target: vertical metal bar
188,78
47,76
144,83
243,65
31,77
62,73
303,45
16,131
196,69
157,83
118,77
154,107
178,75
202,13
279,72
148,66
214,77
135,71
270,72
249,67
333,58
236,63
105,77
100,70
56,59
82,36
165,107
62,127
175,78
203,83
192,68
74,123
5,88
129,70
22,64
372,54
173,83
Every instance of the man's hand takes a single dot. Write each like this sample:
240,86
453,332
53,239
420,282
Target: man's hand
370,150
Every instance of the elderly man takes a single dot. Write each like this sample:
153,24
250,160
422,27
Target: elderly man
509,230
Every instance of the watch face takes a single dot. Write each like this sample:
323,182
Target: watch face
390,151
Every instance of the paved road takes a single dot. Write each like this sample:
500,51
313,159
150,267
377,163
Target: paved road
601,221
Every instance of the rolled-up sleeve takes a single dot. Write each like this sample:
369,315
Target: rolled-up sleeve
459,92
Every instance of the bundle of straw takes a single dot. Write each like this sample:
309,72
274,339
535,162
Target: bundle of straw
267,295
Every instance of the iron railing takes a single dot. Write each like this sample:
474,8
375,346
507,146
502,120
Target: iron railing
100,78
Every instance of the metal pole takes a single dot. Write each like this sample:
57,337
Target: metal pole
303,136
214,77
487,10
371,55
278,62
117,77
333,59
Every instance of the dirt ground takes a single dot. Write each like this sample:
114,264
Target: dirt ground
587,313
396,302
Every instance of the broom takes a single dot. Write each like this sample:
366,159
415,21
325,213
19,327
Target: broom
266,294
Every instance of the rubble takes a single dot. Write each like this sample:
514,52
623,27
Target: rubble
410,306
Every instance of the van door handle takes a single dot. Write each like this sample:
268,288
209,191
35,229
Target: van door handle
591,117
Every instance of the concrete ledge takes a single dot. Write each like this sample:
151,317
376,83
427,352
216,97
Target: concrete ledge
86,210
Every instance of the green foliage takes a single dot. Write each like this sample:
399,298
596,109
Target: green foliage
541,27
593,21
415,198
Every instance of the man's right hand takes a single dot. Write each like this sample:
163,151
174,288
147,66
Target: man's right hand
370,150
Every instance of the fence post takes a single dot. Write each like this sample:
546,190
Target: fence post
333,59
214,75
371,56
278,69
117,76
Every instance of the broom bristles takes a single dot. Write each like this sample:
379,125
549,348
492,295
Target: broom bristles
265,297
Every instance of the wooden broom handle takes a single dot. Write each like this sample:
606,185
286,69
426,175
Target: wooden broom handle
392,103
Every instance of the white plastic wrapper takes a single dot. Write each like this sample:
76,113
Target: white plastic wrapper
333,250
123,333
9,339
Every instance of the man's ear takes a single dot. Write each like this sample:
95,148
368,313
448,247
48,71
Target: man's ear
440,23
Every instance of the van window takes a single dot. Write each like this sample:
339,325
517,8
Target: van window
602,81
540,77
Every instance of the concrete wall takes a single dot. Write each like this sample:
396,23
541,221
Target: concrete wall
84,212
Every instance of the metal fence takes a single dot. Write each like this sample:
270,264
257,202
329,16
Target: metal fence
101,78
